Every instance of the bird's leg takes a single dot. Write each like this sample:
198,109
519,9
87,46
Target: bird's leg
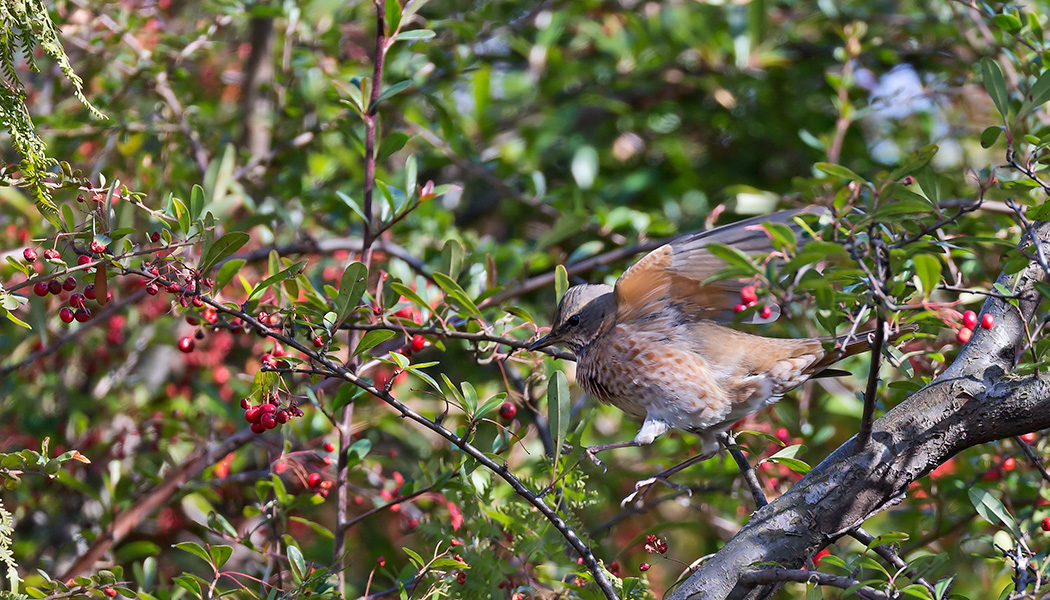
591,451
642,488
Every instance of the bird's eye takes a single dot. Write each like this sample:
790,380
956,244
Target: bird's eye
573,321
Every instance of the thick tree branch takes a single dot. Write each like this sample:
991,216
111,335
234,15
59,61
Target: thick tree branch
974,401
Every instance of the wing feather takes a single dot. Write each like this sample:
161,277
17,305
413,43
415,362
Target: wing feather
674,273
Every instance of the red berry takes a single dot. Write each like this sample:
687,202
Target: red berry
82,315
318,342
69,284
186,344
51,253
268,360
40,288
748,294
98,198
740,308
76,300
644,567
80,197
327,461
268,408
970,319
112,593
258,428
282,416
65,314
54,286
783,435
97,247
507,411
245,403
987,321
1009,464
154,237
313,480
418,342
1029,438
252,414
1045,525
329,447
268,421
461,578
151,289
83,259
29,254
89,291
766,312
964,335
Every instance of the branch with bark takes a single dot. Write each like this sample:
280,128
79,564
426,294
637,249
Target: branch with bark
976,400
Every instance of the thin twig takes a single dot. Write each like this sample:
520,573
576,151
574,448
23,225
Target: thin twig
777,575
868,415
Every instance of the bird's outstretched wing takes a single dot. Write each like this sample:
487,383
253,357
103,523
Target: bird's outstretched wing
674,273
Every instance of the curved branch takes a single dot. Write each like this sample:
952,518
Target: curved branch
974,401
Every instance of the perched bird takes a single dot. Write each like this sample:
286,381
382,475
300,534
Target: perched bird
654,345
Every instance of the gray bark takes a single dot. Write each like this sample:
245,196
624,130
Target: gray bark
974,401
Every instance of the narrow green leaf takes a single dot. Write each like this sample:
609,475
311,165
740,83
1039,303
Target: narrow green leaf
391,91
296,561
416,559
351,287
351,204
415,34
558,410
452,258
196,202
222,248
456,293
839,171
993,511
410,177
263,285
194,549
734,257
372,339
995,85
227,271
1040,93
561,282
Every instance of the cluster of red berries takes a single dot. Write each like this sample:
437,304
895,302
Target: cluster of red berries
270,359
969,322
77,301
655,544
268,415
749,298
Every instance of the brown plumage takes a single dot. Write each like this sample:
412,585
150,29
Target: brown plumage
653,345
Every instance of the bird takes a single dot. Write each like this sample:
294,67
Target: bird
656,345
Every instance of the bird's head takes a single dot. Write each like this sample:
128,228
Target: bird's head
583,314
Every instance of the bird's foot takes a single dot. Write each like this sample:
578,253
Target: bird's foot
643,487
591,452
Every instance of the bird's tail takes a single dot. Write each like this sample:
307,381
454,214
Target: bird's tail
849,344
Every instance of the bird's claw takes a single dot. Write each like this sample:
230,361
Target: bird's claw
594,459
643,487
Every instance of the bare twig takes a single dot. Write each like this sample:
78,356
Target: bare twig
777,575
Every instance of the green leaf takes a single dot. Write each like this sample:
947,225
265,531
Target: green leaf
352,286
991,134
196,202
222,248
1040,93
296,561
416,559
839,171
347,200
194,549
391,91
561,282
734,257
227,271
410,177
992,509
220,554
928,269
452,258
1008,23
372,339
456,293
415,34
263,285
11,317
182,214
995,85
393,16
558,411
391,143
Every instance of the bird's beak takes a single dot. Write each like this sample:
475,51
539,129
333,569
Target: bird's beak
543,342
